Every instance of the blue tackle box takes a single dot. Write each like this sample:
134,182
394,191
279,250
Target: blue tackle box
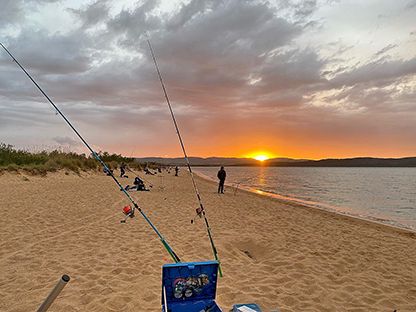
190,287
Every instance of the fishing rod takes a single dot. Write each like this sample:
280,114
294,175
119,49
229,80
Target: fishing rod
98,158
200,211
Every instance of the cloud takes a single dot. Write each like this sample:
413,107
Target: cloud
305,8
13,11
10,12
52,53
410,5
67,141
93,13
386,49
262,68
134,24
378,73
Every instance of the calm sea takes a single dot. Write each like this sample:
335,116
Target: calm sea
386,195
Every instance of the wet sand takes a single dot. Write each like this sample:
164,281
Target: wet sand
272,253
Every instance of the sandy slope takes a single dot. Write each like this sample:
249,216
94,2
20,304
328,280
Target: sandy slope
295,258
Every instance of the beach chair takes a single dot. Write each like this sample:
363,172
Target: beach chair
190,287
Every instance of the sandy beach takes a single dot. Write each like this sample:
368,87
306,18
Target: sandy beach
274,254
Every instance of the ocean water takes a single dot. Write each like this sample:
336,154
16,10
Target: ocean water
385,195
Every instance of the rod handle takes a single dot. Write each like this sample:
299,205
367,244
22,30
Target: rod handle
54,293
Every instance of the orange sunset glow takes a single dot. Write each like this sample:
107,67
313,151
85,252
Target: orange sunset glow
272,85
260,155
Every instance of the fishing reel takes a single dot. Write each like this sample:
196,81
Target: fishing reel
193,285
128,212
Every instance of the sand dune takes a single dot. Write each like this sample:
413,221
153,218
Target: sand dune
276,255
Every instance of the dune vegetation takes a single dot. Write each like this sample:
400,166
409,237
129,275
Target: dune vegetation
40,163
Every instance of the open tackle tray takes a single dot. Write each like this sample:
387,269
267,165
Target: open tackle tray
190,287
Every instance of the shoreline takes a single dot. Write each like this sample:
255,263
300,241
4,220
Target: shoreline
297,203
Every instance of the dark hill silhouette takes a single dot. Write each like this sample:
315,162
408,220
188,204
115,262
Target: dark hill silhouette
285,162
211,161
352,162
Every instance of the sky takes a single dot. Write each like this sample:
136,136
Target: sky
301,79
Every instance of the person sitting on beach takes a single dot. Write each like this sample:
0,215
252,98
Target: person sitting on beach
138,185
221,176
108,172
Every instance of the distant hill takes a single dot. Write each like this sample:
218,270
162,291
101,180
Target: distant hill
285,162
211,161
351,162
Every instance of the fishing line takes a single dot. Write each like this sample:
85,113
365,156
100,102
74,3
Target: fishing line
98,158
237,184
162,184
200,211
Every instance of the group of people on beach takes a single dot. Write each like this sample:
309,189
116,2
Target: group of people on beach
139,185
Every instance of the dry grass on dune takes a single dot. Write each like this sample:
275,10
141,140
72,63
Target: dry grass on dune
282,256
40,163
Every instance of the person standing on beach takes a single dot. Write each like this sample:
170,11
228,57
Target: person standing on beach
122,169
221,176
176,171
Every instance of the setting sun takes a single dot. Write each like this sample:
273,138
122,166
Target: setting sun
261,157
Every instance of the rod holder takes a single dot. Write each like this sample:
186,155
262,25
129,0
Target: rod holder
54,293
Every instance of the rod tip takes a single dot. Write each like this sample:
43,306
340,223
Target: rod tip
65,278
